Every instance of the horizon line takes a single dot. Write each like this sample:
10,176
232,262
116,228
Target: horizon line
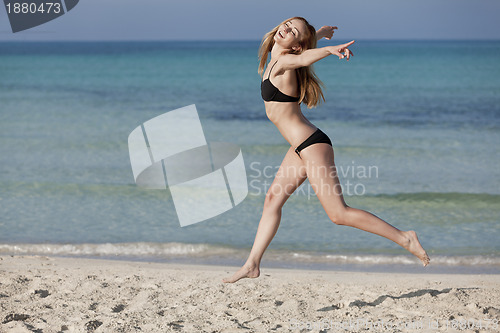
255,40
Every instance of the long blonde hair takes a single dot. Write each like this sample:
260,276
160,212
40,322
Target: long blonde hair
309,84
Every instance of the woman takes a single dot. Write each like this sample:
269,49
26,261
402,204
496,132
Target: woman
287,82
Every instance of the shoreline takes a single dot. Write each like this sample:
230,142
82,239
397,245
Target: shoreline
278,259
76,294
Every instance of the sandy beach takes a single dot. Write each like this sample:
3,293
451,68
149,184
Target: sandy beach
49,294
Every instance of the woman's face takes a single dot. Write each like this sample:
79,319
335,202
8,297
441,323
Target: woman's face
290,33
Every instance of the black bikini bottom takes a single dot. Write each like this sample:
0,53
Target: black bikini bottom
316,137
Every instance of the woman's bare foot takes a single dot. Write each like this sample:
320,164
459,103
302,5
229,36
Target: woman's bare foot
247,271
413,245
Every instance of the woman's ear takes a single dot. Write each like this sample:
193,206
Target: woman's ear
297,47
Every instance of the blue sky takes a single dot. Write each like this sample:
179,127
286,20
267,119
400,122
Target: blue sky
249,20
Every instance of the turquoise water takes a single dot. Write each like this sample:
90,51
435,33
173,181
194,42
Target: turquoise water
415,127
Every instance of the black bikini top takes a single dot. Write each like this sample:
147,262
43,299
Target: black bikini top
270,93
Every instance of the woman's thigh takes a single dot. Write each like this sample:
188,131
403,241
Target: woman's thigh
318,160
291,174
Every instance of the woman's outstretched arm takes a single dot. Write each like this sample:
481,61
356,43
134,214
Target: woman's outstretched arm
309,57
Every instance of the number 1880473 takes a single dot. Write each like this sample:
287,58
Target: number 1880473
32,8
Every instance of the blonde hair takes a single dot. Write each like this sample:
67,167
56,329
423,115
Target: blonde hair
309,84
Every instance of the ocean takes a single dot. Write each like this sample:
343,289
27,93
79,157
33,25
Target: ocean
415,127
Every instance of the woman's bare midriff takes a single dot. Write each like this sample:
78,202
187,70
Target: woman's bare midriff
290,121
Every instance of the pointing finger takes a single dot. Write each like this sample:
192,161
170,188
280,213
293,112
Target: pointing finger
349,44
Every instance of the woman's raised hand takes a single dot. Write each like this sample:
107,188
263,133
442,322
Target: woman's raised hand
325,31
342,50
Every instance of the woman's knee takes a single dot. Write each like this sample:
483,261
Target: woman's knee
339,216
273,200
